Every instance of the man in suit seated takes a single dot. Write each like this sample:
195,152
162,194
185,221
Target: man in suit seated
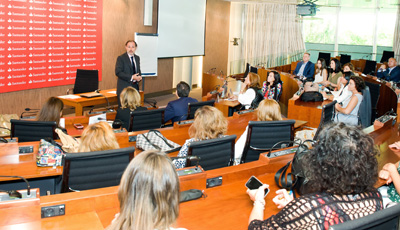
391,72
177,110
305,69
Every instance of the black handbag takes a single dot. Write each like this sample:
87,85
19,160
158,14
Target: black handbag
295,180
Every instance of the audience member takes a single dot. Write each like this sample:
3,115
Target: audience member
209,123
98,137
51,111
341,171
390,173
347,111
343,93
130,101
321,74
177,110
305,69
268,110
349,67
390,72
148,194
250,92
334,73
272,87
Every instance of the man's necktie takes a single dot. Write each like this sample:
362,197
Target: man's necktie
133,65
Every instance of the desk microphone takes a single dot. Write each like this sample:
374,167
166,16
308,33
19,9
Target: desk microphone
15,193
196,158
108,107
29,111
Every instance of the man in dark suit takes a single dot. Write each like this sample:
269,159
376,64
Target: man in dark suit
391,72
305,69
127,68
177,110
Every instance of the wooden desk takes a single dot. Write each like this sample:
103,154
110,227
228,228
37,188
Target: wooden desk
81,102
309,111
226,106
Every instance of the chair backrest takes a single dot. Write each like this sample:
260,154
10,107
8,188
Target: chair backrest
149,119
86,81
369,67
192,107
384,219
327,115
27,130
92,170
386,55
374,90
262,135
365,109
326,56
214,153
344,58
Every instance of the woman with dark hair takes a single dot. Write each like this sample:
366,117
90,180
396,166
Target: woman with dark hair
51,111
341,171
347,111
272,87
334,73
148,194
321,74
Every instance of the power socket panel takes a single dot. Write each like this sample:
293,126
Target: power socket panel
55,210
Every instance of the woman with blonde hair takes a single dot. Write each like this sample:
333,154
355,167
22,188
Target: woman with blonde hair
268,110
148,194
98,137
130,101
51,111
209,123
250,92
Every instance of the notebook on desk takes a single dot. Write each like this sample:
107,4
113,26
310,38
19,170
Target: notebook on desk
90,95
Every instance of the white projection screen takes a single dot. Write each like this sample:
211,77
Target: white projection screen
181,26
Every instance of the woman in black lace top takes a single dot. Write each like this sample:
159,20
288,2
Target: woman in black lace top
342,170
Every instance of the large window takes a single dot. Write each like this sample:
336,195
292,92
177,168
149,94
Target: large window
321,28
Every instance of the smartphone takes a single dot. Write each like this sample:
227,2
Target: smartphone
254,183
78,126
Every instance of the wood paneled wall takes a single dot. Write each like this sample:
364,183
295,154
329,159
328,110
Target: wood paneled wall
121,19
217,35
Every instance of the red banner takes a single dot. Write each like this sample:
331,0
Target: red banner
44,42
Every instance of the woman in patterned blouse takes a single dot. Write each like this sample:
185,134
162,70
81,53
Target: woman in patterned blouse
272,87
209,123
391,173
341,171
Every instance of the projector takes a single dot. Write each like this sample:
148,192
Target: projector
306,10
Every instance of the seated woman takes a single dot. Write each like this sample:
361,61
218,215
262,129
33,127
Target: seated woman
391,173
250,94
98,137
334,73
272,87
148,194
268,110
321,74
130,101
209,123
52,111
341,171
343,93
348,111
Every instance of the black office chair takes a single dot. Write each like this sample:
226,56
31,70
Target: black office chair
262,135
384,219
27,130
326,56
90,170
85,81
386,55
369,67
344,58
149,119
192,107
214,153
365,109
327,115
374,89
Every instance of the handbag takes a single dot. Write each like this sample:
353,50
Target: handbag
69,144
153,139
50,153
295,180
